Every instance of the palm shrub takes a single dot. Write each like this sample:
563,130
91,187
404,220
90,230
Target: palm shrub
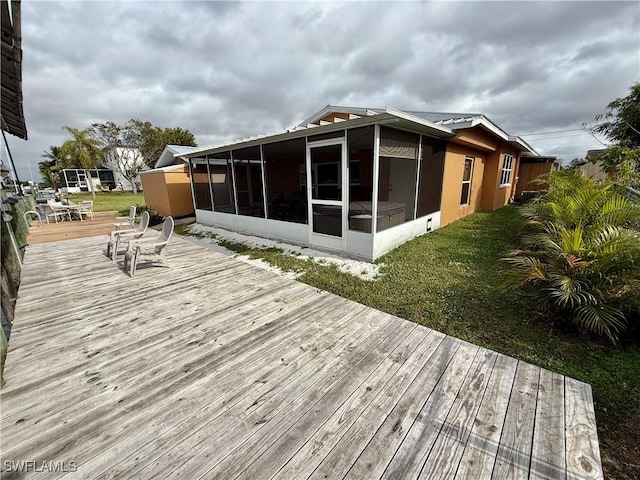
579,254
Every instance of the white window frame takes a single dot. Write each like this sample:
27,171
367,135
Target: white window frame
467,181
507,170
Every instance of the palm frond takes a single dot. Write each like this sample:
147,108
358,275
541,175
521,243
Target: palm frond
600,319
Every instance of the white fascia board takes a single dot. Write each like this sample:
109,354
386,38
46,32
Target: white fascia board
418,120
519,142
512,140
303,132
336,109
492,127
316,116
164,169
165,158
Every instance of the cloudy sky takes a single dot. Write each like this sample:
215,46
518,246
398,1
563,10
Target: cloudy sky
229,70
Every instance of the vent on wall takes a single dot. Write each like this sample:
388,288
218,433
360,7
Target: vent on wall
428,224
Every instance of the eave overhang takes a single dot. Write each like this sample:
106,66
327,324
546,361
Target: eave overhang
391,117
11,101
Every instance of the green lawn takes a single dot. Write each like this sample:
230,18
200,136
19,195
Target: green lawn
111,201
446,280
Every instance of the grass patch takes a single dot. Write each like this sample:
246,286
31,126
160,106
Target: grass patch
447,280
110,201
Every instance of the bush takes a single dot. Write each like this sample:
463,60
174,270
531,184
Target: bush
580,254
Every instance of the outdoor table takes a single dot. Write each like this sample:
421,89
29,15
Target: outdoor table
75,209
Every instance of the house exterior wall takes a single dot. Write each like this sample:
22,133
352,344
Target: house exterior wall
391,238
452,182
495,195
484,192
477,137
168,192
594,171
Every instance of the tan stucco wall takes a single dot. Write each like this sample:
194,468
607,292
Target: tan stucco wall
452,182
477,137
493,195
169,192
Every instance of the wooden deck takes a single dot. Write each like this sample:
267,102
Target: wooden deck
101,224
214,368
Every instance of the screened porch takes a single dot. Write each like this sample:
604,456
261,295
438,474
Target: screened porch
361,189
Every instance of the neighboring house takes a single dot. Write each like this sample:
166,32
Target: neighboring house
592,168
107,175
531,167
355,180
167,187
74,180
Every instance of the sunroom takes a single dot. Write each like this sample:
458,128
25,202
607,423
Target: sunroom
360,185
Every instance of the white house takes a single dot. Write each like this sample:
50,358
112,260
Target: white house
108,175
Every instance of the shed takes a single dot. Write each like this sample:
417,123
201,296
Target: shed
167,188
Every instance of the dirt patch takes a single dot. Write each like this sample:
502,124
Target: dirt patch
620,450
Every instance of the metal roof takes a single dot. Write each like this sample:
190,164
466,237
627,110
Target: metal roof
11,98
437,124
440,118
397,118
453,120
169,153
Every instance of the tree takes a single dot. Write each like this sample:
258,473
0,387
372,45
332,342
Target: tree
622,116
576,163
49,168
82,151
581,256
622,126
623,164
155,139
121,146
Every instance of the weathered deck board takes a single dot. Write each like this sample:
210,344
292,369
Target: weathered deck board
481,448
547,456
514,451
583,454
216,368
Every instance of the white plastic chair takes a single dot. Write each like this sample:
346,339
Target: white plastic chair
55,210
118,236
150,249
86,208
129,221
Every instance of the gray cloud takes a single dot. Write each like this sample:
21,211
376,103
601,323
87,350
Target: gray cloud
229,70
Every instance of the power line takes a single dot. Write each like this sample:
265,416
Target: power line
556,131
561,136
546,133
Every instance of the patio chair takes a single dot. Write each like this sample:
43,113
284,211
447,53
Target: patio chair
129,221
55,210
148,249
118,236
86,208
